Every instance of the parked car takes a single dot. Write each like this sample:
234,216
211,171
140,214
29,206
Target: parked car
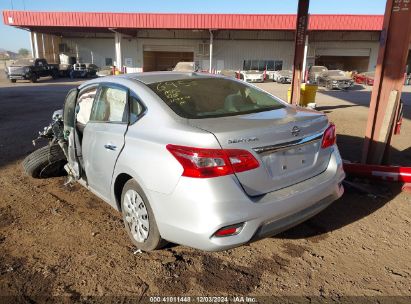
315,71
334,79
83,70
29,69
186,67
66,64
283,76
228,73
65,69
205,161
366,78
252,76
105,71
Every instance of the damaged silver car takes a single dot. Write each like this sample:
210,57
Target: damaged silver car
334,79
199,160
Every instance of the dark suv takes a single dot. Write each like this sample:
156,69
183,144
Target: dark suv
29,69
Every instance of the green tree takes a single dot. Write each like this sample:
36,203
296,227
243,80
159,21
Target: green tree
24,52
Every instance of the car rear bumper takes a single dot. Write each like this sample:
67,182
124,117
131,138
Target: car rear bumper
341,86
197,208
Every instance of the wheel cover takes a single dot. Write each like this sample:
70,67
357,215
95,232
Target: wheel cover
136,215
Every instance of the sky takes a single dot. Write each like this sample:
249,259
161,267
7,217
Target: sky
13,39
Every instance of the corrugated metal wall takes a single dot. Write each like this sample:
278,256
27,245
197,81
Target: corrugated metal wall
98,48
233,53
189,21
231,48
350,49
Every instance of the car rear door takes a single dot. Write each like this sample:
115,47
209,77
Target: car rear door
103,137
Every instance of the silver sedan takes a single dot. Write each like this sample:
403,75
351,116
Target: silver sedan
199,160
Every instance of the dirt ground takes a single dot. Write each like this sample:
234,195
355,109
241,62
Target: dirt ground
64,241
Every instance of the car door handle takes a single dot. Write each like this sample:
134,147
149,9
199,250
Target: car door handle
110,147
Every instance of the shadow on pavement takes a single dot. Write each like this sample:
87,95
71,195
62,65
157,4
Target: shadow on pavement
355,204
328,109
363,97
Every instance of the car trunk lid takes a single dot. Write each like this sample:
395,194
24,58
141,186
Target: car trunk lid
286,142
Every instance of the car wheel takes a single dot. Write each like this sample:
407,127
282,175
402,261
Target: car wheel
139,219
13,80
45,162
282,80
33,78
328,86
55,75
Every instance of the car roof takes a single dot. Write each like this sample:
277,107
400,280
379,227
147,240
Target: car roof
150,77
153,77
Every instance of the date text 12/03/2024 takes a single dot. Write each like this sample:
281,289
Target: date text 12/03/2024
203,299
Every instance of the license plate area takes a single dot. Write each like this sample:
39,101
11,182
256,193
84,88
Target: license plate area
293,161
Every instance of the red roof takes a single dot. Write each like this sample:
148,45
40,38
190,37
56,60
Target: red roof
28,19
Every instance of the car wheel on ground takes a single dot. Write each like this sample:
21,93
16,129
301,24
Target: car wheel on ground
329,86
139,218
47,161
55,75
33,78
13,80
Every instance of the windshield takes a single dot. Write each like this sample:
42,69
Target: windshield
213,97
335,73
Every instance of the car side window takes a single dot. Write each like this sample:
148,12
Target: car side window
110,105
136,108
85,104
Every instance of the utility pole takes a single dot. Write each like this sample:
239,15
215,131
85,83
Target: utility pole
299,45
388,81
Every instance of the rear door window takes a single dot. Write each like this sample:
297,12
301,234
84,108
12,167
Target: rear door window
136,108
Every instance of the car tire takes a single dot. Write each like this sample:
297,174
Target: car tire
47,161
137,214
33,78
328,86
55,75
13,80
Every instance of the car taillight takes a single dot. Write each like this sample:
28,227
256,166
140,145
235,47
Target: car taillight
329,137
203,163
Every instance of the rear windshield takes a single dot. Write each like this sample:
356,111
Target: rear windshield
213,97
